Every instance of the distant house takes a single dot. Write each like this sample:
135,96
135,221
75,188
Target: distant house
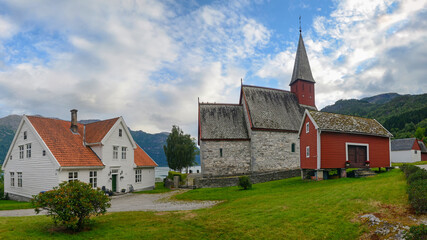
332,141
46,152
408,150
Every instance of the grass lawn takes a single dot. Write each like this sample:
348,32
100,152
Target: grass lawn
284,209
414,163
159,188
11,205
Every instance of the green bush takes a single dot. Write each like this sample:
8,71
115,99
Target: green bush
410,169
1,185
417,195
72,204
245,182
420,174
417,233
182,176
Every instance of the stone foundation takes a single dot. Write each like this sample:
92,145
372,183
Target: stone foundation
18,197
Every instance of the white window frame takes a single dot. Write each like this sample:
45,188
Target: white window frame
138,175
124,149
93,179
307,151
356,144
21,151
115,152
307,127
12,179
19,179
73,176
28,146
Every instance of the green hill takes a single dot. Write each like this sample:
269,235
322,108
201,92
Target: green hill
400,114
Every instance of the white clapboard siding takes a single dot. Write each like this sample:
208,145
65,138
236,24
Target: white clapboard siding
407,156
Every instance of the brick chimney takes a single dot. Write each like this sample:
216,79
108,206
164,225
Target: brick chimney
74,121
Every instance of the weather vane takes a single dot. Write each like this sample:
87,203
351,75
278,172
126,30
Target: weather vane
300,24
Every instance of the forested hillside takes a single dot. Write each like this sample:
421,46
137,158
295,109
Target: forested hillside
402,115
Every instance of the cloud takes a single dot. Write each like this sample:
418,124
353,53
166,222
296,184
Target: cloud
361,49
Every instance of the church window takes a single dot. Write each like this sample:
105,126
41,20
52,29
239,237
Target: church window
307,151
293,147
307,127
220,152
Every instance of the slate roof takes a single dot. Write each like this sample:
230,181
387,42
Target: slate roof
142,159
272,109
402,144
422,146
222,121
302,68
66,147
348,124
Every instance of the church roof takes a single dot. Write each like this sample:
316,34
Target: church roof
272,109
348,124
222,121
302,70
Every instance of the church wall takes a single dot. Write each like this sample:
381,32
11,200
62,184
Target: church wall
272,151
235,157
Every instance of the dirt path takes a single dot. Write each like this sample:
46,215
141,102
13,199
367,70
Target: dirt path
136,202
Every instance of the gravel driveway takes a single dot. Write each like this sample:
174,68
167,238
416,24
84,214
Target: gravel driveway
136,202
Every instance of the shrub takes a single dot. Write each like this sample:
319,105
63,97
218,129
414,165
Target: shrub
417,232
410,169
182,176
1,185
420,174
417,195
72,204
245,182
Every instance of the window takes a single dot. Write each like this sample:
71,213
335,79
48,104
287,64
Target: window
115,152
10,157
19,179
415,151
25,135
220,152
138,175
93,179
12,179
72,176
307,151
307,127
44,152
21,152
120,132
124,152
293,147
28,150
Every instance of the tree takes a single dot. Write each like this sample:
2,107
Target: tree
72,204
180,150
420,134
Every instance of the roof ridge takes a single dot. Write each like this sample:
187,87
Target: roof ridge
268,88
227,104
101,121
342,115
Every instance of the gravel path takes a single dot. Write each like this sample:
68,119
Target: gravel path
136,202
422,166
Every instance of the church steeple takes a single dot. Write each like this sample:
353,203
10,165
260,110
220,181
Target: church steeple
302,81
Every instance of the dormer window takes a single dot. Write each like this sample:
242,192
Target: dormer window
307,127
25,135
120,132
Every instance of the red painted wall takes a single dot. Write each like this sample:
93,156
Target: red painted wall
308,139
334,155
416,146
304,91
423,156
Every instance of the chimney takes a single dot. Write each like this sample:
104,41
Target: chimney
73,121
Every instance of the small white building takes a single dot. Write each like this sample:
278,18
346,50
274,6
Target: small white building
407,150
47,151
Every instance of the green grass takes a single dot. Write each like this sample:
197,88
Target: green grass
159,188
284,209
414,163
11,205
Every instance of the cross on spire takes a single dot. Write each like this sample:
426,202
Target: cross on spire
300,24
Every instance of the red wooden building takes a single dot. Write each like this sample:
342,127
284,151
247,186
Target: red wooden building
334,141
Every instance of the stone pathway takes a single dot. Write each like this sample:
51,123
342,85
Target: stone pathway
136,202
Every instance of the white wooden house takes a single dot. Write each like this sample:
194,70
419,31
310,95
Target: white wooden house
47,151
408,150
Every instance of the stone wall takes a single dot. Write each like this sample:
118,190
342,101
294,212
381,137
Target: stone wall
271,151
235,158
17,197
213,182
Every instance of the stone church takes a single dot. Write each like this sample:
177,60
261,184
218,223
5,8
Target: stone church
260,133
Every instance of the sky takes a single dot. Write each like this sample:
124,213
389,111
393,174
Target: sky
150,60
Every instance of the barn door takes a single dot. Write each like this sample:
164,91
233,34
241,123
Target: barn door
357,155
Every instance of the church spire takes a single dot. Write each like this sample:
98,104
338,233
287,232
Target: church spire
302,70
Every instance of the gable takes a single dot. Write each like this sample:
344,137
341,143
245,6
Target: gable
113,133
96,131
272,109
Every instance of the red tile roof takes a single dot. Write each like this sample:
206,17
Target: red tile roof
142,159
96,131
66,147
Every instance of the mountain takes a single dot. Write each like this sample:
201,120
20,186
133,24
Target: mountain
151,143
400,114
